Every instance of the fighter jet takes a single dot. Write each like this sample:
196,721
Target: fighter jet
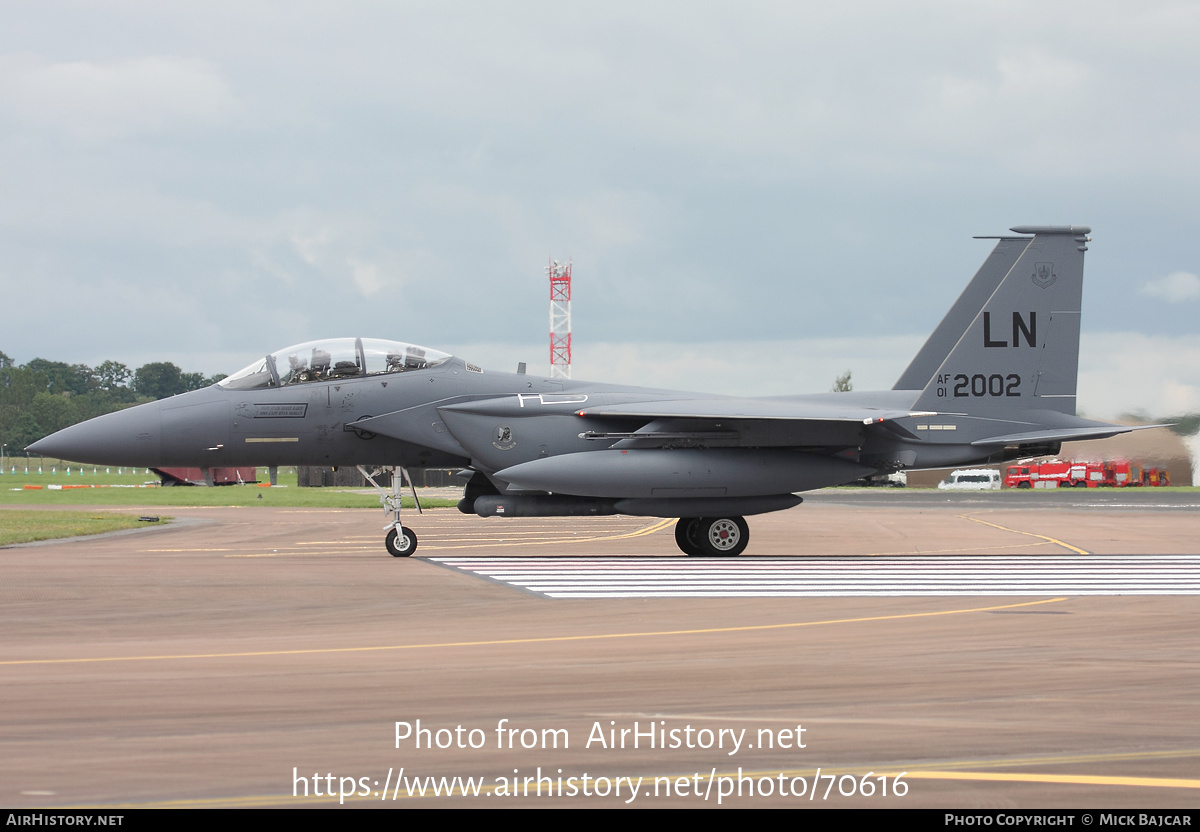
995,381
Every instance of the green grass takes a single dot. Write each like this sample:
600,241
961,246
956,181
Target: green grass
115,487
38,471
18,526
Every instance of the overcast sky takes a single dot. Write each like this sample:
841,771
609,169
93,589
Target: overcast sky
756,196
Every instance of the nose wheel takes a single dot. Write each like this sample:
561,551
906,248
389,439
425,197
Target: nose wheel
401,542
712,536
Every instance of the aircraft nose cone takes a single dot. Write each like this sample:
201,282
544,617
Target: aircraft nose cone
127,437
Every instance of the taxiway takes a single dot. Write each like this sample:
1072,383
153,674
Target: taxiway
226,660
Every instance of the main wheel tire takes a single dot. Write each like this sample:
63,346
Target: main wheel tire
722,536
685,536
401,545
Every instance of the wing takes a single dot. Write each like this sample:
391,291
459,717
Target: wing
799,409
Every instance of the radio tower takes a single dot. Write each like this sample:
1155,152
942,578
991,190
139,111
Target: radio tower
560,319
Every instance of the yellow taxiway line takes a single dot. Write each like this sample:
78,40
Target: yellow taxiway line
1054,540
535,640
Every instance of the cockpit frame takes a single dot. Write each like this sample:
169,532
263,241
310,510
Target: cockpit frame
333,359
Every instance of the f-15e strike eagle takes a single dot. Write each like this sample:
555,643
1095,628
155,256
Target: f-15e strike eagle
995,381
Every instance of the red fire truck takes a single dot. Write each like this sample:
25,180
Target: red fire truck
1065,473
1053,473
1121,472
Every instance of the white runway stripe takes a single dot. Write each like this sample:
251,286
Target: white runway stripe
677,577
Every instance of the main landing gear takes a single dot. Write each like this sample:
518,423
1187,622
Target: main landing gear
400,541
712,536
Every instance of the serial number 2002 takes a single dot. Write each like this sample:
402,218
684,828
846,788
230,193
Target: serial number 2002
981,385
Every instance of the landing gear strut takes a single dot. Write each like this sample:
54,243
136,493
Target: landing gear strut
400,541
712,536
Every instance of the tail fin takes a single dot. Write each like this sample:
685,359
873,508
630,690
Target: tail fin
1018,348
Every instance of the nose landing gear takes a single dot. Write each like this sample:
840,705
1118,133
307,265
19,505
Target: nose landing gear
400,542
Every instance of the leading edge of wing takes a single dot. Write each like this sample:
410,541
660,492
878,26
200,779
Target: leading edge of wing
750,409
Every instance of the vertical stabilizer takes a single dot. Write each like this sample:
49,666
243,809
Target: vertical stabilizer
1020,350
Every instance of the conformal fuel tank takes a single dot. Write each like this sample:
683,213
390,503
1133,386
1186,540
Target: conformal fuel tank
658,473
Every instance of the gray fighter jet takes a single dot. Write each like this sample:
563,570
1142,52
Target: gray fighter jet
995,381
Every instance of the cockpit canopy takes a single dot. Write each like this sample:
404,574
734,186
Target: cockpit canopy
334,358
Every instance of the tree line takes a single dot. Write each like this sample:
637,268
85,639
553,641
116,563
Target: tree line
40,397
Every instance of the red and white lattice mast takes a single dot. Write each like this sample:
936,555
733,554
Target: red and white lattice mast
560,319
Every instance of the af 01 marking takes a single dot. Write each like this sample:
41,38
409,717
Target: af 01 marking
979,385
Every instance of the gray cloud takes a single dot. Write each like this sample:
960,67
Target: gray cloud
1174,287
96,101
226,180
